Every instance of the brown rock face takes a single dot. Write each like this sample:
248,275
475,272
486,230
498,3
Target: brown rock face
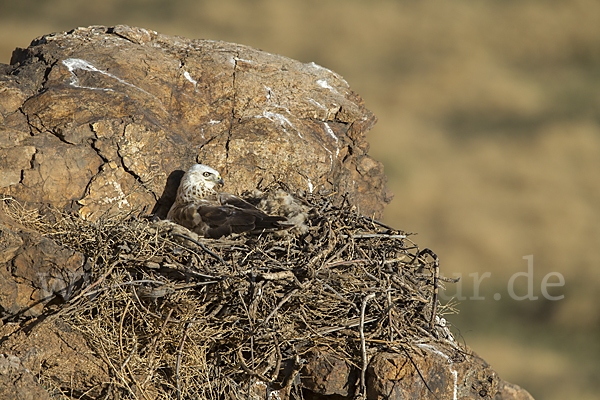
34,270
100,117
62,353
16,382
438,370
441,371
326,374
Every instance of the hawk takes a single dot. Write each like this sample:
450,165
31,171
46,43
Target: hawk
201,209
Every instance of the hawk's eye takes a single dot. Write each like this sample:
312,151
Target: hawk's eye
206,174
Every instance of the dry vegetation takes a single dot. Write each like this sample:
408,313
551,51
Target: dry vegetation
488,129
175,315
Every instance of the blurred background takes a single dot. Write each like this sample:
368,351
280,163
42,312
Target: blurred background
489,130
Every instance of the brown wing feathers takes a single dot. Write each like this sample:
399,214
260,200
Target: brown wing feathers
226,219
201,209
215,219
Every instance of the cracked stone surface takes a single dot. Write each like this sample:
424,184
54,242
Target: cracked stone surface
101,117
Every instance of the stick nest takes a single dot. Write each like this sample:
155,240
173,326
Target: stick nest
175,315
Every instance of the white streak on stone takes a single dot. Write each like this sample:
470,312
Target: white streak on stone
452,370
121,198
76,63
189,78
323,83
278,118
316,103
244,60
123,201
310,186
330,131
213,122
317,66
269,91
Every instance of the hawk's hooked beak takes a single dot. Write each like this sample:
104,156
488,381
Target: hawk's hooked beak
220,182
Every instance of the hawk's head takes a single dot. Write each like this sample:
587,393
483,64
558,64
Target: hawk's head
199,181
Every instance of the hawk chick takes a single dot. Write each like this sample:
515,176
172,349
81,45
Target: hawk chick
200,208
279,202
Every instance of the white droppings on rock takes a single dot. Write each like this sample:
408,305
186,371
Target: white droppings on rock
276,117
324,84
450,362
317,66
280,119
74,64
330,131
245,60
189,78
316,103
269,91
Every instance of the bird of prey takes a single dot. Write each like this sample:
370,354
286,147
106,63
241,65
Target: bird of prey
201,209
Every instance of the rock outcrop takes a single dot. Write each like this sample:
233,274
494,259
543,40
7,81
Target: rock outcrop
100,117
106,118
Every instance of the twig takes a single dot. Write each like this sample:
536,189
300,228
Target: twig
179,353
363,345
276,276
337,295
415,365
390,321
100,280
126,284
337,254
247,369
370,275
153,349
202,246
275,373
131,353
374,235
109,362
160,316
340,263
281,303
325,331
436,274
377,222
